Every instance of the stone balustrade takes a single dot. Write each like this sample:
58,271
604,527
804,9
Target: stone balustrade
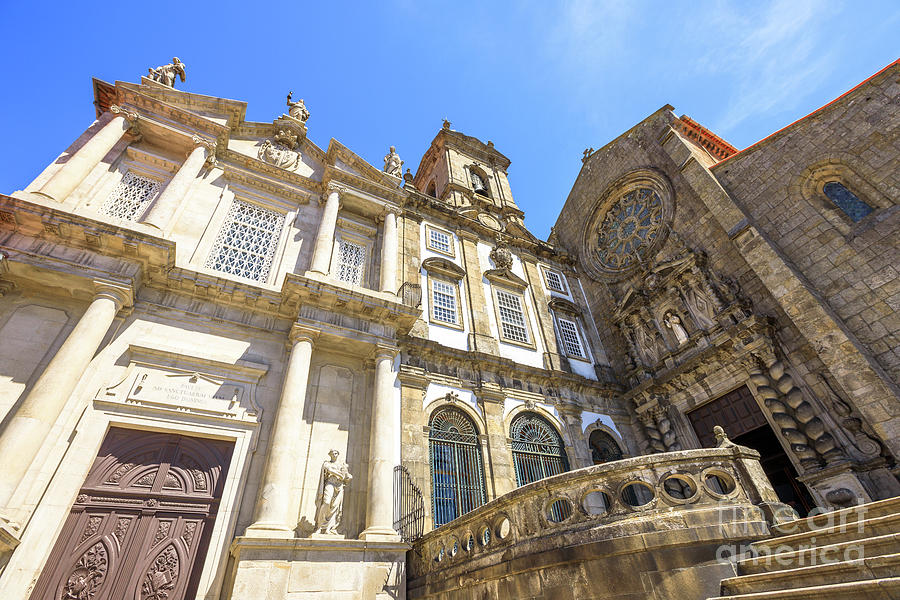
706,496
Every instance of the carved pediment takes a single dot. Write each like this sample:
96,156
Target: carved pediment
506,278
442,266
566,306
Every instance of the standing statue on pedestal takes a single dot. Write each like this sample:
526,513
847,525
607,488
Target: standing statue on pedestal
392,163
297,109
331,494
673,322
166,74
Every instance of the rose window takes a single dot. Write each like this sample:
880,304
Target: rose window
629,229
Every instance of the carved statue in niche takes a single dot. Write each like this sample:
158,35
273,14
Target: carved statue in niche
297,109
392,163
673,322
646,343
165,74
331,494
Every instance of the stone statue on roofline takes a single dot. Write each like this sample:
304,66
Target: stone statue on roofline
166,74
297,109
392,163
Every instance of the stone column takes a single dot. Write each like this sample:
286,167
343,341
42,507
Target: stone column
27,430
501,472
389,252
321,259
160,214
71,174
380,506
276,511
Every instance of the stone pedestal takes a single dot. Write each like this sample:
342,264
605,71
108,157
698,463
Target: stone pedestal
324,567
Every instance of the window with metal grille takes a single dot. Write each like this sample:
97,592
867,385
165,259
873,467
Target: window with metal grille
538,452
440,241
457,475
512,317
568,331
351,265
443,301
847,201
131,197
247,242
555,281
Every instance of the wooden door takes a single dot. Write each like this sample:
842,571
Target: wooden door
140,526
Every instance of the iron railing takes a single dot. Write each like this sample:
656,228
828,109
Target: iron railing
411,294
409,507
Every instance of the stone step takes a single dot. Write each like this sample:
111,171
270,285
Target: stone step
870,510
870,589
849,550
859,530
875,567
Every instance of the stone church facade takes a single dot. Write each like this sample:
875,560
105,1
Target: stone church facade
196,310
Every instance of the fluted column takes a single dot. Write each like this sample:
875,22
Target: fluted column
160,214
389,252
28,428
380,508
321,259
276,510
71,174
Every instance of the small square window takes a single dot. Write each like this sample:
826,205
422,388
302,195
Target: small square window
439,240
554,281
568,331
512,317
443,302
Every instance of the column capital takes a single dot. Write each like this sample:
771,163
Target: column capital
121,294
300,332
333,188
384,351
210,145
134,129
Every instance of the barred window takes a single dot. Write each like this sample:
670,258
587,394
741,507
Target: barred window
554,281
247,242
131,197
351,262
569,332
443,301
512,317
440,241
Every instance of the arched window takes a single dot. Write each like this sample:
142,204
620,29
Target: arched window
846,200
432,190
537,449
603,447
457,475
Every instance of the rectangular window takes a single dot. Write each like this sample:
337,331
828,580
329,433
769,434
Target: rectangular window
131,197
247,242
512,317
554,281
443,301
439,241
568,331
351,265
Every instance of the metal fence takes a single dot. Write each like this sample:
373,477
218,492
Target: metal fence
409,507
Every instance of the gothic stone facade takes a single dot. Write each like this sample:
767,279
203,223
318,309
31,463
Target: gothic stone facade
196,309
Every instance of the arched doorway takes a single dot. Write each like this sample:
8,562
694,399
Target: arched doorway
537,449
141,523
457,472
603,447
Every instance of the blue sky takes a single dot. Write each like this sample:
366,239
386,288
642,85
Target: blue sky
543,80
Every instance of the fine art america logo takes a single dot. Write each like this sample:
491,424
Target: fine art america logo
811,552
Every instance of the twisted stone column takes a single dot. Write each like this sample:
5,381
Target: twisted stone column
276,511
160,214
321,258
389,252
27,431
71,174
380,507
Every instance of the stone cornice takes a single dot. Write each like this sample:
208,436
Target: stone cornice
442,266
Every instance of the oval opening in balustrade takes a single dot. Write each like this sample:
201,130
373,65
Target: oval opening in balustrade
439,556
503,528
637,494
596,503
559,510
470,543
679,487
454,549
719,483
485,536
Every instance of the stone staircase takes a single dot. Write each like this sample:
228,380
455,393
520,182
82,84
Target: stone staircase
846,554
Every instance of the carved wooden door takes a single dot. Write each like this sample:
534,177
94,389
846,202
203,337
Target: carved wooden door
141,524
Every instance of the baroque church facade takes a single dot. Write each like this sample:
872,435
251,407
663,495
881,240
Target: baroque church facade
236,365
